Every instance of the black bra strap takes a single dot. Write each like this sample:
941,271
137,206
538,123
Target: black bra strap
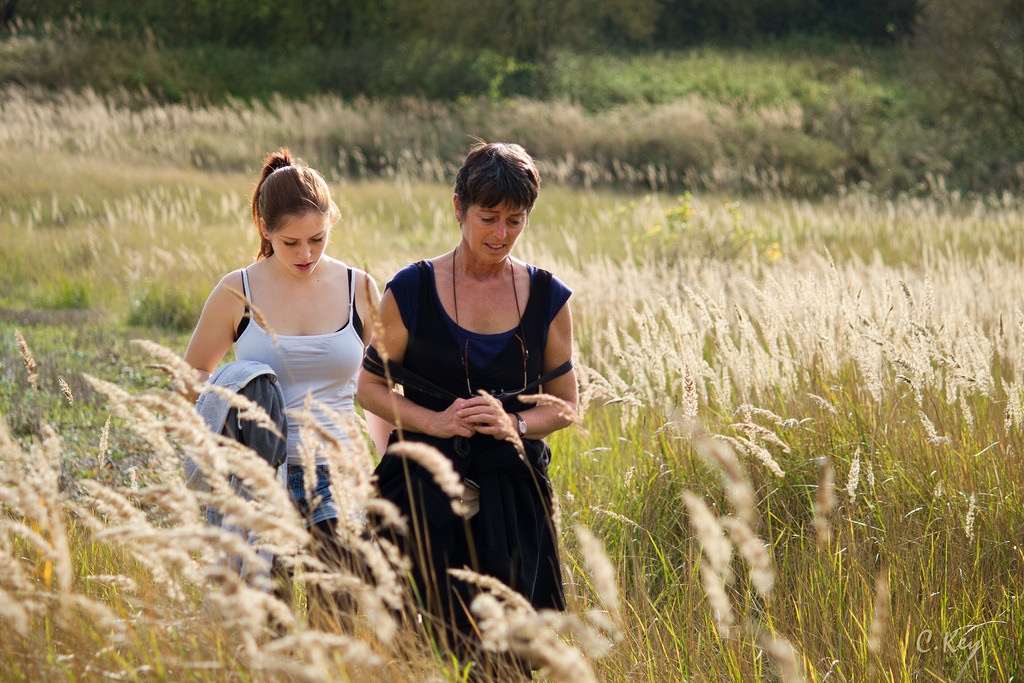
244,322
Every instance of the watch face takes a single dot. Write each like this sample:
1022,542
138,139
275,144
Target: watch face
522,426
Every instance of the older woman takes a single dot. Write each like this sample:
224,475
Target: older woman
476,318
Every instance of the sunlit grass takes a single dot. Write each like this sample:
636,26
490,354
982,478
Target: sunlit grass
882,336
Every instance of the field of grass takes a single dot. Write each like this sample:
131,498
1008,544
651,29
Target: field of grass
800,448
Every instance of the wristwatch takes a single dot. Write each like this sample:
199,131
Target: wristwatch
522,424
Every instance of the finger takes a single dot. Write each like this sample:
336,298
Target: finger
476,412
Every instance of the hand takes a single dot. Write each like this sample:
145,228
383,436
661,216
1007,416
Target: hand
486,416
450,421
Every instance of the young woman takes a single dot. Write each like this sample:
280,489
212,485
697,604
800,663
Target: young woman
309,323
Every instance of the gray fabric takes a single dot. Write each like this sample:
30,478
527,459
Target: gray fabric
258,382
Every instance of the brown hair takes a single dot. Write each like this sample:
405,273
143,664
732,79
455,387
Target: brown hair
288,188
495,173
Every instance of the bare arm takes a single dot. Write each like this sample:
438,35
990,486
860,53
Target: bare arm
215,331
367,305
378,397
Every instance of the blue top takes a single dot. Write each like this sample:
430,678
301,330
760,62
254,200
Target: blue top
405,288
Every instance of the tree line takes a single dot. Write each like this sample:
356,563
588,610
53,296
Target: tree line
523,29
966,53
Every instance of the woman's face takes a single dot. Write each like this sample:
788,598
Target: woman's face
299,241
490,233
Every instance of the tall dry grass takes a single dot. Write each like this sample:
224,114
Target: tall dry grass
180,597
800,440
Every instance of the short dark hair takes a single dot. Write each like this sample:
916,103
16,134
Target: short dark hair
288,188
496,173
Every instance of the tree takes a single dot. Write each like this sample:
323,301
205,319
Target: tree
527,30
972,51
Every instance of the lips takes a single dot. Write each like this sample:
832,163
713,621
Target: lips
304,266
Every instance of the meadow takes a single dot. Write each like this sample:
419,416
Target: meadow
799,452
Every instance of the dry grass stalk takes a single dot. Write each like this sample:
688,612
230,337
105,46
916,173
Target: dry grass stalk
565,411
972,509
256,314
601,569
185,376
539,637
716,451
762,454
853,479
15,609
691,399
715,570
495,632
933,435
343,449
825,501
507,622
615,515
508,432
880,618
708,531
756,553
559,660
513,600
379,333
823,404
247,409
439,467
556,513
785,656
28,360
350,650
386,513
713,584
756,431
66,390
104,438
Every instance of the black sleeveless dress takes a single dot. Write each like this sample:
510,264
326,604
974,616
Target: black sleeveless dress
512,537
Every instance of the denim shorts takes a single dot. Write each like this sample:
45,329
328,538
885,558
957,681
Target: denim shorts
319,505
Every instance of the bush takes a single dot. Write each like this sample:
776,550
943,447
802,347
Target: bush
169,309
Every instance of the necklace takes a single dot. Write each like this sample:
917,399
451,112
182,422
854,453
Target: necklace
464,342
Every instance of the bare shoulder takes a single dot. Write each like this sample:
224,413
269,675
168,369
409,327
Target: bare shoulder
232,279
333,267
442,262
229,287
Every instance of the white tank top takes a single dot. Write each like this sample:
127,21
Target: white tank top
324,366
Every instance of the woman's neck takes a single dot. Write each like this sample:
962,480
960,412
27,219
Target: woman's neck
464,264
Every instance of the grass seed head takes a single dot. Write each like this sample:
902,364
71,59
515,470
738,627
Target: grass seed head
28,360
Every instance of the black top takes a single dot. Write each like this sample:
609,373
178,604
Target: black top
435,354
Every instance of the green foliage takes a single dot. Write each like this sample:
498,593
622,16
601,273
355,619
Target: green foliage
71,292
167,308
528,30
970,53
803,116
